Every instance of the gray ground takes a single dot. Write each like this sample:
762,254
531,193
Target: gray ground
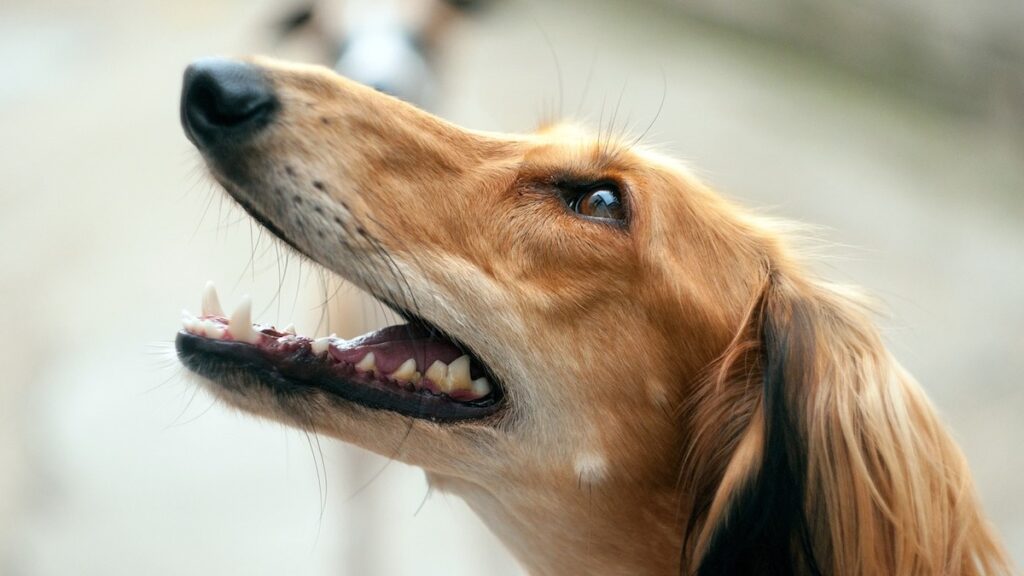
107,467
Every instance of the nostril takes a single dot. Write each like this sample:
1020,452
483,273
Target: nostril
220,105
223,99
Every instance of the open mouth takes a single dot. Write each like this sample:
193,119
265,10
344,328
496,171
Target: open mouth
412,369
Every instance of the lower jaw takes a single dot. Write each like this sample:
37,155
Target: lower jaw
238,355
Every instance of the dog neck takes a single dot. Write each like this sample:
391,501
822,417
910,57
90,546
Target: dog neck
560,526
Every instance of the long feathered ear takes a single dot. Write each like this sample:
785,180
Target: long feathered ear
826,458
756,522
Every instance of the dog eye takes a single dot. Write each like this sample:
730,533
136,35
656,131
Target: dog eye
603,203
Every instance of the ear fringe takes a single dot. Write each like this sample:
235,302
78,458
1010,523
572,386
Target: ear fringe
839,464
758,525
727,437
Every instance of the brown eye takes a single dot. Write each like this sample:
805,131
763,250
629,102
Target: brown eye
603,203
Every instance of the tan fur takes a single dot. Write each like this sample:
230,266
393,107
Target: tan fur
631,357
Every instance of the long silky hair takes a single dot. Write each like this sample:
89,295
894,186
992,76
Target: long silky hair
814,452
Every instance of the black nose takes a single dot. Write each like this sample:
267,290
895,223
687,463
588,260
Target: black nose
224,100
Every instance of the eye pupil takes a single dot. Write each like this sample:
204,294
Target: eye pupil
601,203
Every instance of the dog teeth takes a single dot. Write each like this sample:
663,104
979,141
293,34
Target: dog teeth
211,304
367,364
480,387
202,327
446,378
320,345
240,323
213,329
458,375
188,321
406,372
437,372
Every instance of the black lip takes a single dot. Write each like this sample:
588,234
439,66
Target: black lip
239,365
266,223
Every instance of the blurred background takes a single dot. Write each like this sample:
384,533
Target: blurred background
897,126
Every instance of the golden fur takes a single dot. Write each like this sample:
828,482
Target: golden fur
683,396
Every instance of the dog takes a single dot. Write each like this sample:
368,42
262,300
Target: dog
619,370
391,46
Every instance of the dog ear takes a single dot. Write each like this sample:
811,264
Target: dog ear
759,523
840,465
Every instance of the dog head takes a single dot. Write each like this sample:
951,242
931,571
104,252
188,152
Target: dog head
548,257
584,317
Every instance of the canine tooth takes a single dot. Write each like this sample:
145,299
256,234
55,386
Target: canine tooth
211,304
240,323
367,364
480,387
406,372
437,372
320,345
458,375
290,329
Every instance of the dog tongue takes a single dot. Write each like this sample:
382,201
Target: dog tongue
394,345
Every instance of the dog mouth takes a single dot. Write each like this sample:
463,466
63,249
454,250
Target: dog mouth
413,369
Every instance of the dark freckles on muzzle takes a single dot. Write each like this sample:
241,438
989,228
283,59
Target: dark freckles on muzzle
224,102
